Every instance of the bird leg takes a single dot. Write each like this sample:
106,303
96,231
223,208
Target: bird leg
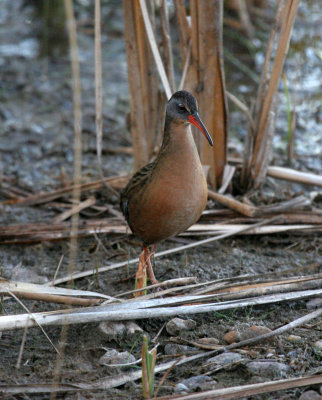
145,267
140,277
149,254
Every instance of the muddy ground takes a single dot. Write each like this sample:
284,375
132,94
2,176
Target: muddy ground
36,122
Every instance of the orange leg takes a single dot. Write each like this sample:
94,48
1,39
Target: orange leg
145,267
149,254
140,277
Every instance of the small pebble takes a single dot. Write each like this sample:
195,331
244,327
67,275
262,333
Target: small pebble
231,337
294,339
176,325
112,356
310,395
172,348
132,328
254,331
314,303
268,368
317,346
225,358
114,330
196,383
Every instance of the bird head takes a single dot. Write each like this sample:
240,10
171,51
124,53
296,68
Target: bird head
183,107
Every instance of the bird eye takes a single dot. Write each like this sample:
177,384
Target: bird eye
181,107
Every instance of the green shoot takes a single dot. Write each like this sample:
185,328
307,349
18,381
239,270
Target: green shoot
148,366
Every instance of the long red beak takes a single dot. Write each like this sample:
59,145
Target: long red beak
196,121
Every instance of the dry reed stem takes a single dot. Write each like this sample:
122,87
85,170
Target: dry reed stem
264,153
254,289
165,375
99,93
245,19
52,283
142,78
140,146
22,346
244,391
242,107
74,210
289,14
228,174
236,291
258,146
98,85
30,233
49,298
214,229
205,79
154,49
219,394
46,289
185,68
233,204
264,80
31,315
292,175
148,309
183,29
27,291
262,88
116,182
72,35
149,80
167,45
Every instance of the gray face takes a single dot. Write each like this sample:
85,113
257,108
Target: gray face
181,105
183,108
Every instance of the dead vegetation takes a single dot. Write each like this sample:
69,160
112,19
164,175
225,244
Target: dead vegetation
80,212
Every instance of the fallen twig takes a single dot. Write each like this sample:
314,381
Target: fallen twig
232,203
294,176
51,294
144,309
76,209
116,182
238,392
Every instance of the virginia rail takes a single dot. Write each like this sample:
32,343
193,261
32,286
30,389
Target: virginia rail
168,195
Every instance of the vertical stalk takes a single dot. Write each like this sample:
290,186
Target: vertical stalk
72,35
259,141
206,80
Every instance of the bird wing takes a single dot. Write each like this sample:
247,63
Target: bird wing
138,180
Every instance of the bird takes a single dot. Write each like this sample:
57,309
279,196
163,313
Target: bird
168,195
